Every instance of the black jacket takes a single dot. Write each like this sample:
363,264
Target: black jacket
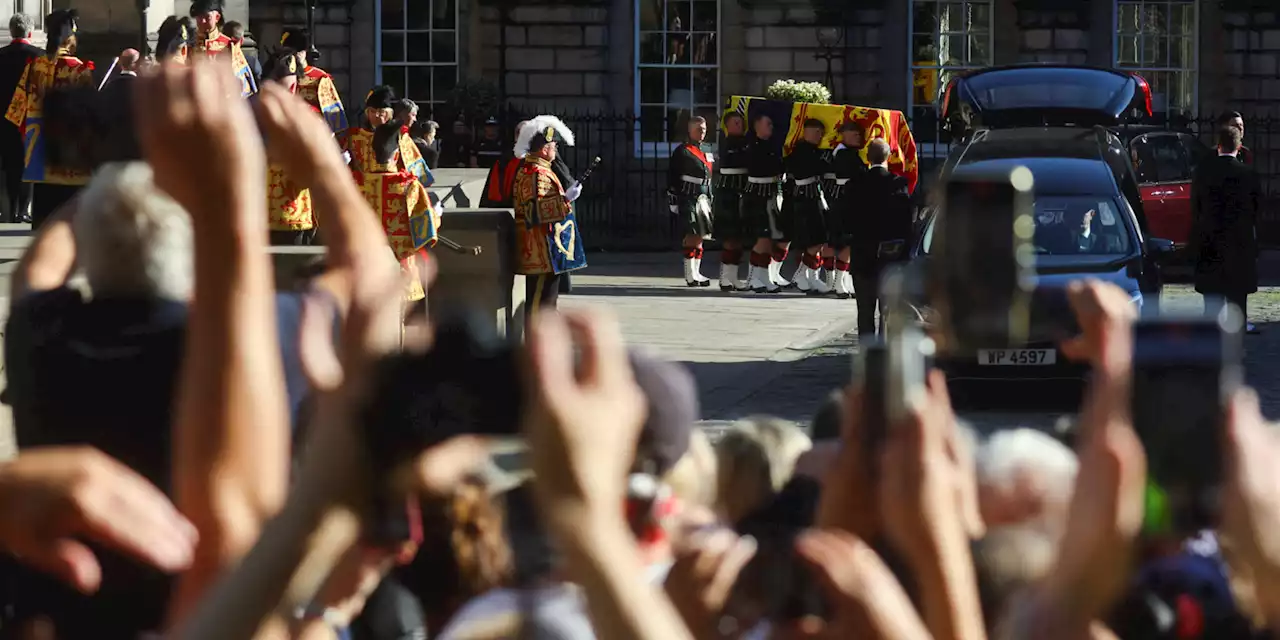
1225,195
13,60
883,215
120,135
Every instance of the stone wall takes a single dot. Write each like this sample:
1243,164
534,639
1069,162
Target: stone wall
556,56
781,42
1251,59
1057,36
332,37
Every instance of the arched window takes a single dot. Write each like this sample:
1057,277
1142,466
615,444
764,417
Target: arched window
418,48
677,56
1157,39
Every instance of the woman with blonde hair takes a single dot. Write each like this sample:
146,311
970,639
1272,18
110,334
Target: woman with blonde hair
754,460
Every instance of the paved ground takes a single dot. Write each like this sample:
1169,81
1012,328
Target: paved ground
782,354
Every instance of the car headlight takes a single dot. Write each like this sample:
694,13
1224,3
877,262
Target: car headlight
1136,299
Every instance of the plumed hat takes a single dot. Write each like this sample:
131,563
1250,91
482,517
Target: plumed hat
537,132
296,38
201,7
281,63
60,26
173,34
380,97
386,141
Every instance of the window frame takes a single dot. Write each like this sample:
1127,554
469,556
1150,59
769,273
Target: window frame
405,31
1143,71
939,149
651,149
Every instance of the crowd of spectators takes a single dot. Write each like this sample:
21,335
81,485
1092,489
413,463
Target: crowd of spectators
197,456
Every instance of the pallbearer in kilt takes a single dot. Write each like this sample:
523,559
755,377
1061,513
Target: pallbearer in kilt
548,241
729,181
806,206
55,181
316,85
762,208
689,198
847,168
290,217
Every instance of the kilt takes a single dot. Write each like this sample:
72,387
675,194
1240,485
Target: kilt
806,223
727,206
840,221
755,217
694,224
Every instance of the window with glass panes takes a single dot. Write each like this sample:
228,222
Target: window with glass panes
1157,40
677,68
418,48
946,38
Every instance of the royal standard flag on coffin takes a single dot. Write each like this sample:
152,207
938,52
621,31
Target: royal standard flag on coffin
788,122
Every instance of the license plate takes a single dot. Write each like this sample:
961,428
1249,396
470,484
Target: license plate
1017,357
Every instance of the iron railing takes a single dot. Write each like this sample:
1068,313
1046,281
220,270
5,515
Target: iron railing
624,207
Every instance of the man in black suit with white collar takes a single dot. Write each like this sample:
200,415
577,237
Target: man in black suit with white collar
882,224
16,197
1225,197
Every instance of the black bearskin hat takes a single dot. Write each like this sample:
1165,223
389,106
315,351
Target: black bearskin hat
173,34
296,38
280,64
386,141
60,26
201,7
381,97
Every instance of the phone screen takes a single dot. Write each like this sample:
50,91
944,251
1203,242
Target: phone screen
871,370
1182,370
980,273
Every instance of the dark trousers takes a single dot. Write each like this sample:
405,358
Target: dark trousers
541,292
46,199
866,286
16,199
292,238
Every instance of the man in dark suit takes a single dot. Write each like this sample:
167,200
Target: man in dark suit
16,197
116,114
1234,119
1224,214
881,231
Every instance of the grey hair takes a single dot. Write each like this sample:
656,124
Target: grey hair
878,151
131,238
754,460
1006,454
20,25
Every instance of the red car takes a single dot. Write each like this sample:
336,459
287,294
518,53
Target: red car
1163,161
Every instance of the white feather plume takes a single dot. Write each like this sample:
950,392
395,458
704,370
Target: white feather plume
537,126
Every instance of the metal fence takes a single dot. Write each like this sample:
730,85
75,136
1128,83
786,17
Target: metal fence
624,208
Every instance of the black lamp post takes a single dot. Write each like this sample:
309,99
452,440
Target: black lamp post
829,38
313,54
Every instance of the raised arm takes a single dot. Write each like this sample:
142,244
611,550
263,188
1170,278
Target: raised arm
50,258
231,436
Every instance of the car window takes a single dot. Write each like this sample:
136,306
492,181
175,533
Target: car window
1071,225
1161,158
1196,150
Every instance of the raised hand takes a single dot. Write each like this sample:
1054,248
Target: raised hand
1251,496
200,138
583,422
297,137
703,575
53,498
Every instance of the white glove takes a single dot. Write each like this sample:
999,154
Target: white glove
439,208
573,191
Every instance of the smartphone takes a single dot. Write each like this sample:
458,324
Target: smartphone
871,370
468,383
777,584
983,274
1184,371
909,355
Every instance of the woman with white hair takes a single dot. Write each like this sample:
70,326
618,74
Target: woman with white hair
754,460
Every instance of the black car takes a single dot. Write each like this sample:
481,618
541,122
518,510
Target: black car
1073,179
